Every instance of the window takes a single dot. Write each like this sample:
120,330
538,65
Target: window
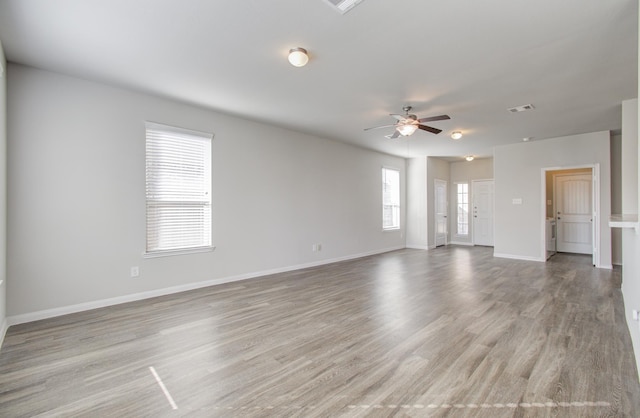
462,215
390,198
178,189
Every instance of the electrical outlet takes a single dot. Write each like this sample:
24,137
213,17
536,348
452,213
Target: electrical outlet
135,271
314,248
634,314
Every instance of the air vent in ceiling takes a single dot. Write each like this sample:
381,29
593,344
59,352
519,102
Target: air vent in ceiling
521,108
343,6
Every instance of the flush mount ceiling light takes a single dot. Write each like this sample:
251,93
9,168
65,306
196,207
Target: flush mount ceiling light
456,135
526,139
469,157
298,57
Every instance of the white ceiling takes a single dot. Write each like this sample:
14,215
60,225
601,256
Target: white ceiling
574,60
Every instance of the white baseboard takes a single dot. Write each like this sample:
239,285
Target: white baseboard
469,244
519,257
417,247
65,310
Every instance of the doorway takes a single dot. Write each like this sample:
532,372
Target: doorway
571,198
440,191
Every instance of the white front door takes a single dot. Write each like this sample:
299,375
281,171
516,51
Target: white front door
574,213
482,191
441,212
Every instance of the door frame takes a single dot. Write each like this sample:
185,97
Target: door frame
493,203
446,213
595,226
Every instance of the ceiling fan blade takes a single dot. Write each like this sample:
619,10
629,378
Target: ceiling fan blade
401,118
432,118
378,127
394,135
430,129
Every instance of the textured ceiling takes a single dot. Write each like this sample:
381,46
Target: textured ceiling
574,60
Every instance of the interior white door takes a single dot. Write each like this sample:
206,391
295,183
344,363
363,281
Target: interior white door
482,191
441,212
574,213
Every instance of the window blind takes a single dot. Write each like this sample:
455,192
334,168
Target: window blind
390,198
178,188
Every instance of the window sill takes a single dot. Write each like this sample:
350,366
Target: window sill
170,253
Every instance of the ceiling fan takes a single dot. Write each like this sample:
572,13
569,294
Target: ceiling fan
407,124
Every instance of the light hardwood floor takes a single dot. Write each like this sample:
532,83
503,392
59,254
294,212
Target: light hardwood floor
450,332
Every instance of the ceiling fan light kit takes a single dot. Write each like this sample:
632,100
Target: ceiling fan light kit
407,124
298,57
407,129
456,135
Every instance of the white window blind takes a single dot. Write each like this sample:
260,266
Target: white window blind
390,198
178,189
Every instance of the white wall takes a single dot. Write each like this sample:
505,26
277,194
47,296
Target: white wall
519,229
3,194
630,238
77,210
466,172
417,226
629,151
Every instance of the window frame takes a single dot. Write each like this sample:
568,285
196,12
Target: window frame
396,213
205,203
468,206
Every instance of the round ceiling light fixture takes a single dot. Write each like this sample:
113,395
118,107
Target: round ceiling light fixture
298,57
456,135
469,157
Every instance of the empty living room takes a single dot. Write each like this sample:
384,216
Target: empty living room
329,208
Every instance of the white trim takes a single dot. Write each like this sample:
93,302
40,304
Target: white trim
446,211
596,224
65,310
454,207
183,251
418,247
3,330
519,257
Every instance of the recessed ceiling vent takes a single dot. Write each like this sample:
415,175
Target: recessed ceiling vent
343,6
521,108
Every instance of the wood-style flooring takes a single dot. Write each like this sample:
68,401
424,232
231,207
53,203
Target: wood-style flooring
452,332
